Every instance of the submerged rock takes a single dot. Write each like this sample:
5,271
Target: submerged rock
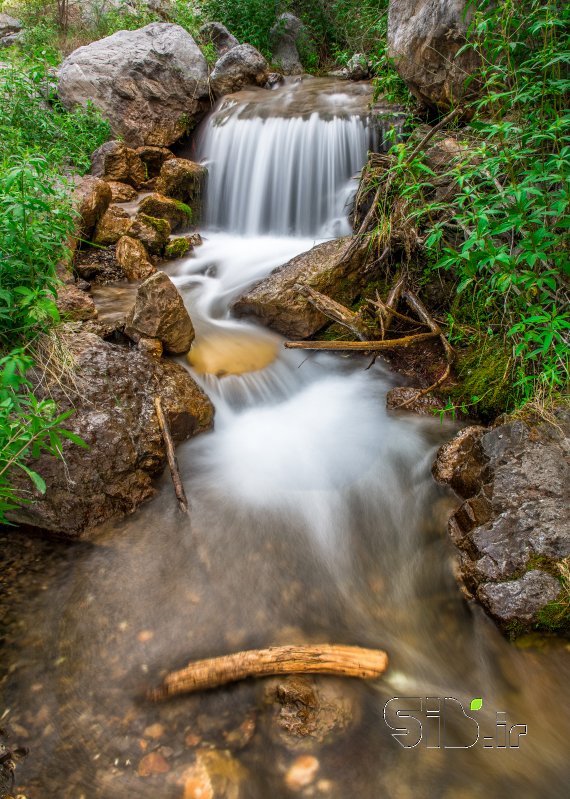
276,302
159,312
239,67
151,84
513,529
424,39
113,412
214,775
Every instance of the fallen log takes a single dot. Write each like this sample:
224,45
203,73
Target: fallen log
335,311
171,456
361,346
339,660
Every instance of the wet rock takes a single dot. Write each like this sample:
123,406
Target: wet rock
183,180
215,775
121,192
151,83
151,764
177,248
91,198
98,266
74,304
177,214
239,67
159,312
112,397
284,35
151,347
114,223
117,162
515,518
132,257
217,34
519,600
277,304
301,772
427,405
306,712
153,158
423,40
152,232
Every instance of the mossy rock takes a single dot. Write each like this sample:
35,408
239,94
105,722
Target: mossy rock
177,248
157,206
154,233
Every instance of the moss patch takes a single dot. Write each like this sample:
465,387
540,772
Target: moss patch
176,248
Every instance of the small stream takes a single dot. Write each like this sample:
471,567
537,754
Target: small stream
314,518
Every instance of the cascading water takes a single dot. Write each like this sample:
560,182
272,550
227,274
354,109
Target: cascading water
314,518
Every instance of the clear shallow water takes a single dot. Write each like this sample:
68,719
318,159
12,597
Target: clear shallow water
314,518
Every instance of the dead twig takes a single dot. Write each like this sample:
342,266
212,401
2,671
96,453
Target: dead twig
346,661
171,456
362,346
335,311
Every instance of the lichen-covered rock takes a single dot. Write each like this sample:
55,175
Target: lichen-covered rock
219,36
151,83
159,312
241,66
153,158
132,257
515,480
358,67
183,180
114,414
424,38
177,214
11,30
276,302
91,198
121,192
114,223
152,232
284,35
519,602
74,304
115,161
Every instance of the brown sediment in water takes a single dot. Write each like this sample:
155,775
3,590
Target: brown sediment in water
223,354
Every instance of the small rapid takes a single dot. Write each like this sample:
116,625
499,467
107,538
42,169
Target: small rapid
314,518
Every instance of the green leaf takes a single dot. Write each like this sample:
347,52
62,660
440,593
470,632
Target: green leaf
476,704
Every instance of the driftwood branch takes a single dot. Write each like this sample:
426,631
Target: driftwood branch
362,346
431,133
346,661
335,311
170,454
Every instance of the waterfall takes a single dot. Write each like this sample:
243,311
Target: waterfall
288,175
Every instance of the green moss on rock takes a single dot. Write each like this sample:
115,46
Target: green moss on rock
176,248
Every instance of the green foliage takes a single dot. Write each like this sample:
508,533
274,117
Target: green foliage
28,427
502,231
39,142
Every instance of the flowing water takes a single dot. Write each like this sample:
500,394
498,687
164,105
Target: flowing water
314,519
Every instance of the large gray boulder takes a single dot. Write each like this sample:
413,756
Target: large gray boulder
11,30
424,37
112,398
284,35
512,531
277,303
218,35
239,67
151,84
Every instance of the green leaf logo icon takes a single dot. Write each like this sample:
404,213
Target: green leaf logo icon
476,704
